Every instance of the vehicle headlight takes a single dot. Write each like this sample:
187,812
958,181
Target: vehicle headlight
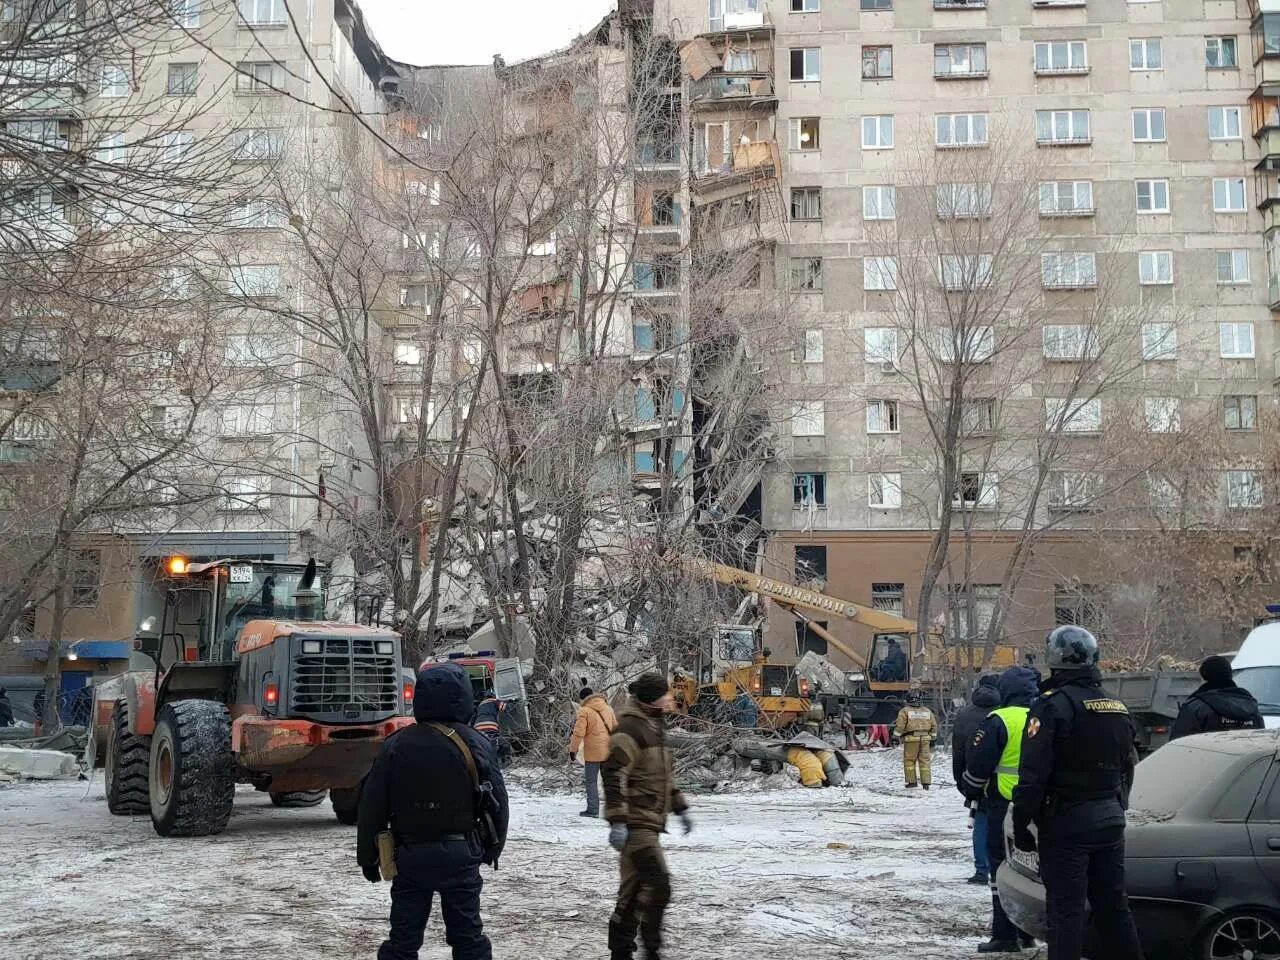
385,647
310,646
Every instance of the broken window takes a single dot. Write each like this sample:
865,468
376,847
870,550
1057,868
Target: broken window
889,597
807,638
1080,605
809,490
811,563
971,609
976,491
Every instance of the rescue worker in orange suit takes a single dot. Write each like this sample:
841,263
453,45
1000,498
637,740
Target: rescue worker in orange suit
917,728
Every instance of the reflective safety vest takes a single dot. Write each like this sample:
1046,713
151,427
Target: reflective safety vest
1015,721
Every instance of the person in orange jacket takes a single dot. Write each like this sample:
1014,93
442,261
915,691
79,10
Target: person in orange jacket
591,732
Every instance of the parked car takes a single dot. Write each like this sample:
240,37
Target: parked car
1202,851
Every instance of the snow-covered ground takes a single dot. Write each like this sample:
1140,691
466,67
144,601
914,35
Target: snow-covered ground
756,879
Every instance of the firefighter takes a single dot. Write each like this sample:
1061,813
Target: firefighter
990,776
917,728
1073,784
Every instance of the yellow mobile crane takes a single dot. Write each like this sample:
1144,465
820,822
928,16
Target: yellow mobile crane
888,673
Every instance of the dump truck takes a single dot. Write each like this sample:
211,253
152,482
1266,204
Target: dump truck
1153,698
248,686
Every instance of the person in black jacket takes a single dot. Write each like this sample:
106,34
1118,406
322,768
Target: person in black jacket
6,709
421,787
964,728
1218,704
1073,784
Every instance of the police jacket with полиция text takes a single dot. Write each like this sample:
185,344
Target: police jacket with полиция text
1077,755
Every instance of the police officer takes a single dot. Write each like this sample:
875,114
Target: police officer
1073,784
990,776
420,784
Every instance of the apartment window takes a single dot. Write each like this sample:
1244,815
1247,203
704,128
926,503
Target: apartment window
1070,341
959,201
984,598
805,6
115,81
877,133
1071,490
1066,198
976,344
265,76
806,274
811,562
246,493
258,144
978,417
811,347
1061,56
808,490
871,5
110,148
186,13
1080,605
1244,490
407,409
248,350
1145,54
1235,341
246,419
1240,412
1065,271
1159,341
959,272
808,418
406,353
960,129
806,64
1220,53
880,345
1233,266
1062,127
879,273
86,577
257,214
976,491
805,133
1153,196
889,597
1072,416
1148,125
1162,493
1155,267
878,203
1228,194
806,203
260,13
884,491
1224,123
182,79
1161,414
959,60
877,63
257,280
882,416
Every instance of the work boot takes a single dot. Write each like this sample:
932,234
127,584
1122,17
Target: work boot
925,785
978,878
911,786
589,813
1027,940
999,946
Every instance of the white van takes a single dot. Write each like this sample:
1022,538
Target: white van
1257,669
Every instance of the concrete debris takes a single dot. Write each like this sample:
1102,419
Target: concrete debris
37,764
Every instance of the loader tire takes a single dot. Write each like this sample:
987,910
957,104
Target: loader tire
125,769
346,804
296,798
192,781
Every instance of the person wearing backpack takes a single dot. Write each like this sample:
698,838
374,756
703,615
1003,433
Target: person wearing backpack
591,730
438,786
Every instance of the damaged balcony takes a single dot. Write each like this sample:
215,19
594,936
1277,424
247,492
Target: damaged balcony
656,335
1266,190
748,162
659,216
730,70
1264,113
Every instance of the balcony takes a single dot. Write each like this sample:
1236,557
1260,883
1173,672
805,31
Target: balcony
658,155
746,161
748,89
741,16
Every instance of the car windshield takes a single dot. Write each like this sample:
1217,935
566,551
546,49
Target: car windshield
1264,684
1161,786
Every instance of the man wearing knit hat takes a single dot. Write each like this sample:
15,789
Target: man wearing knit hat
1218,704
639,792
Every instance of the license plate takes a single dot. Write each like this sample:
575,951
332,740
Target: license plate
775,691
240,573
1028,861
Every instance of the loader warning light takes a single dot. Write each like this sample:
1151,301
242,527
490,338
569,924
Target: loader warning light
408,694
177,566
271,694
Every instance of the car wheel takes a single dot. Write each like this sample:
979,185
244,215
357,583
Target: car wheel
1250,935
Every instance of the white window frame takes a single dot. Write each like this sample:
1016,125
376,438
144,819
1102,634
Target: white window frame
114,82
964,201
883,416
406,353
257,279
948,126
1145,121
879,202
263,13
1155,188
1236,341
808,418
1071,490
880,345
888,496
1244,490
1076,416
988,492
813,349
1236,261
796,130
979,346
1228,187
193,76
245,494
879,273
811,65
881,128
1236,401
1217,44
247,419
1155,268
966,66
956,270
1227,118
258,143
805,275
110,148
1140,54
806,6
186,13
810,203
1047,127
1053,190
1159,341
1069,341
1162,414
1054,276
1076,56
261,77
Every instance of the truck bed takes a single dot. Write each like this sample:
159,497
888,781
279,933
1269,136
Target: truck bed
1153,698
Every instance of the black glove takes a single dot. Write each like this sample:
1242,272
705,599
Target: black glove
572,756
371,874
1024,839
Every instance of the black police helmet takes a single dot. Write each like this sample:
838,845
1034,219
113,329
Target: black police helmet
1070,646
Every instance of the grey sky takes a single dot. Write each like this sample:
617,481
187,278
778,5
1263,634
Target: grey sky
472,31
